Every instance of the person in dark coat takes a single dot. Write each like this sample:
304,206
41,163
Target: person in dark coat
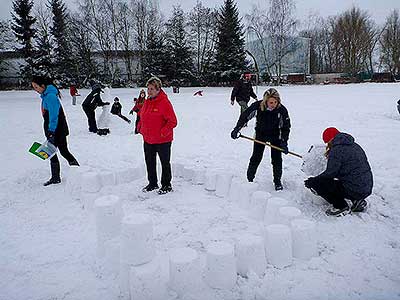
242,91
116,109
89,105
347,175
273,125
398,106
138,106
55,124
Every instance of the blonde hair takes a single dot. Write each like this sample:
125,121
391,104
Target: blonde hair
270,93
154,81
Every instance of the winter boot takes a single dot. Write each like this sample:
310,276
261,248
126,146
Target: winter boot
74,163
150,187
359,206
338,212
278,186
52,181
165,189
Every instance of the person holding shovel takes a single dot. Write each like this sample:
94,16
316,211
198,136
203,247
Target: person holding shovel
273,126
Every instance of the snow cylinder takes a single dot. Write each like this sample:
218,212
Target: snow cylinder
220,269
108,211
278,245
137,244
304,239
223,185
146,282
258,204
211,181
234,191
107,178
272,209
287,214
188,173
91,182
199,177
250,255
245,192
184,271
177,169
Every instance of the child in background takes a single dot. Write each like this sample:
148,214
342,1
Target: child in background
117,108
138,105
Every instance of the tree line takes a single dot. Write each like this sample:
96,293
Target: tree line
205,46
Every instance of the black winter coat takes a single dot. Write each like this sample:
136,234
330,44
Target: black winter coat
348,162
93,100
242,91
273,125
116,108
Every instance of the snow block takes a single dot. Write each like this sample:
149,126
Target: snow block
304,239
188,173
258,204
184,271
146,282
247,189
211,181
272,209
126,176
234,191
288,213
124,282
223,184
220,269
137,245
74,180
199,177
91,182
177,169
314,161
278,245
110,262
250,255
108,211
107,178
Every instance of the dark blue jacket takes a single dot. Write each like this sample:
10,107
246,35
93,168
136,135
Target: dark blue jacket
348,162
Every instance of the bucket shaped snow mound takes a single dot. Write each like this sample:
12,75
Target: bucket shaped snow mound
314,161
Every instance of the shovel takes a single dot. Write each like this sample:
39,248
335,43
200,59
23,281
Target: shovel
269,145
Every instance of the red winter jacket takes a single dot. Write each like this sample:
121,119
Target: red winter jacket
157,120
73,90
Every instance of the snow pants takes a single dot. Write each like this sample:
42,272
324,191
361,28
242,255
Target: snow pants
331,190
91,115
61,144
150,155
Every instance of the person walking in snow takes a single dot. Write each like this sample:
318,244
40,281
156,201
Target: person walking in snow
398,106
89,105
242,91
156,124
55,124
272,125
138,106
116,109
348,174
73,91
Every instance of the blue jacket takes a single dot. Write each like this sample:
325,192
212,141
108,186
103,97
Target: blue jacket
348,162
53,113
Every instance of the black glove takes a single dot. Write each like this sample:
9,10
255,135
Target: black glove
309,183
51,137
107,103
235,133
131,112
284,147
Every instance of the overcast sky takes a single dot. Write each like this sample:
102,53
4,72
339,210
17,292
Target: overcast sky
378,9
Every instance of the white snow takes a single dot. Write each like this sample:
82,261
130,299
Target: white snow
304,238
250,255
48,235
272,209
223,184
288,213
278,245
258,203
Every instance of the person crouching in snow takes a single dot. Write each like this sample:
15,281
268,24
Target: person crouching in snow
138,106
157,121
273,125
347,175
116,109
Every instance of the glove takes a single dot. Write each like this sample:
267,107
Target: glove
232,102
106,103
235,133
51,137
131,112
309,183
284,147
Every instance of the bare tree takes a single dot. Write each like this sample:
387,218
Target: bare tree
6,38
126,37
390,43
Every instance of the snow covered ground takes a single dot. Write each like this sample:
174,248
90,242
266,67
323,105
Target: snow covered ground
48,239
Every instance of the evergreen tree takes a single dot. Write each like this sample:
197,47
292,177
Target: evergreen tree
154,56
230,53
60,31
179,64
24,31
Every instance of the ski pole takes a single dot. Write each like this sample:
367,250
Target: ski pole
269,145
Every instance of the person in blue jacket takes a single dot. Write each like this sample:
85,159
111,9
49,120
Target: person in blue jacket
55,124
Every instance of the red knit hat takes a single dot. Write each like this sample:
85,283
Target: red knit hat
329,134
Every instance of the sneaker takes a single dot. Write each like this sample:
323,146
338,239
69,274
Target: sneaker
52,181
359,206
278,186
165,189
338,212
149,188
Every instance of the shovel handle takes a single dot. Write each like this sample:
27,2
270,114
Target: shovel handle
269,145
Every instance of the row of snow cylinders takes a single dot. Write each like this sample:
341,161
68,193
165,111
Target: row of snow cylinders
194,175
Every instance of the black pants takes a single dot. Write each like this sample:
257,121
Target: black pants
124,118
332,191
150,154
91,115
258,152
136,124
61,144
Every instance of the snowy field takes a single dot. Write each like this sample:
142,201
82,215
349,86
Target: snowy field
48,234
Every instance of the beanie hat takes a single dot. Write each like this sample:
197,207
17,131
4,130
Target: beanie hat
329,133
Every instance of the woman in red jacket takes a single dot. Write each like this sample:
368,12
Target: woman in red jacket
157,120
138,106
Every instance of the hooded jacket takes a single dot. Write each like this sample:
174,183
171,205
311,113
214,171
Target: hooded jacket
242,91
157,120
53,113
348,162
93,99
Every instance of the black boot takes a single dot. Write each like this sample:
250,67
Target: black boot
165,189
55,171
74,163
52,181
150,187
278,185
